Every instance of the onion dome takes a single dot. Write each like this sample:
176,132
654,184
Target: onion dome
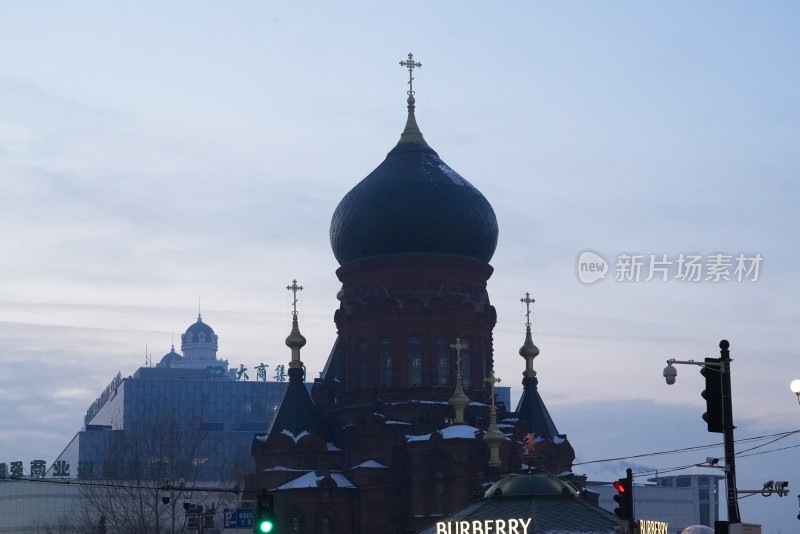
295,340
528,350
413,202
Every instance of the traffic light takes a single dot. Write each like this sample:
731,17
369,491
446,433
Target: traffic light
624,499
713,395
265,521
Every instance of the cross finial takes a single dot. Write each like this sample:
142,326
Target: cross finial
294,288
492,380
410,64
527,301
459,346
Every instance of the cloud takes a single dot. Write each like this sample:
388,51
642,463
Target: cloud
70,393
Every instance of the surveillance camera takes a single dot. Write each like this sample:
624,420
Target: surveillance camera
165,499
711,460
670,373
769,484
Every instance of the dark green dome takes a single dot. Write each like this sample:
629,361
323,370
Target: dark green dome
413,202
535,483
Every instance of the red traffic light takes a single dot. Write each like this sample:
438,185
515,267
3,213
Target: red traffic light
619,486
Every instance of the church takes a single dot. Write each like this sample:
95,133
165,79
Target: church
403,428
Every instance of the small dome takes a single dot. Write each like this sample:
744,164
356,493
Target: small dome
528,349
413,202
169,358
199,332
529,484
698,529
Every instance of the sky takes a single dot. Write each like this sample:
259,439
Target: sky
159,158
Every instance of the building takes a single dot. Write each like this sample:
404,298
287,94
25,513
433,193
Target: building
532,502
681,501
193,394
402,427
186,422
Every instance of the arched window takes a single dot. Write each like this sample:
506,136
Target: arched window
442,361
439,492
414,360
363,363
466,367
385,358
202,337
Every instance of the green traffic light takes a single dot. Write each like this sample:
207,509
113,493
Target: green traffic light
265,526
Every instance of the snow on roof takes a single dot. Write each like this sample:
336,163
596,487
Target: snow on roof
284,468
415,401
370,463
261,437
341,480
459,431
332,447
311,480
449,432
396,423
296,438
558,440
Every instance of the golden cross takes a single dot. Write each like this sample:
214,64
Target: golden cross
410,64
459,346
491,380
294,288
528,301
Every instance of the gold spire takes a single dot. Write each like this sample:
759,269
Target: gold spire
491,380
411,133
529,351
459,401
295,340
493,436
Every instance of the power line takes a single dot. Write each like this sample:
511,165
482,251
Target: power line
154,486
779,435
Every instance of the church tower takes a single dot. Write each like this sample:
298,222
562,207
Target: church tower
402,427
414,240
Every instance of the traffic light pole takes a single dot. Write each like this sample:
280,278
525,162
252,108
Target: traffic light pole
721,365
727,433
629,497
